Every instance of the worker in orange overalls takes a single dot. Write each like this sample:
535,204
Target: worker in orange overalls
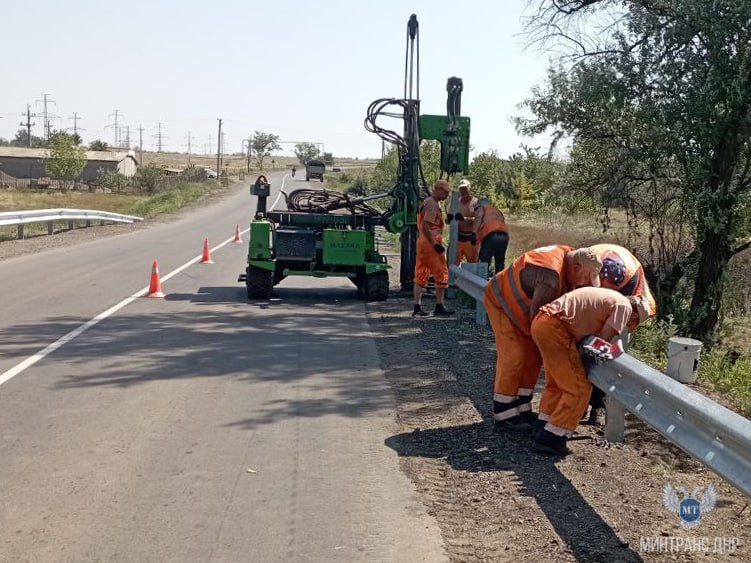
557,330
622,272
467,243
491,234
431,254
512,298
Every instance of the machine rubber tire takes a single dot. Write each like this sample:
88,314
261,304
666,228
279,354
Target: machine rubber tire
375,287
321,178
278,276
259,283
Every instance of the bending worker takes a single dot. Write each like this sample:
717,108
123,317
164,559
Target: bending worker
556,330
431,254
467,243
512,298
491,234
622,272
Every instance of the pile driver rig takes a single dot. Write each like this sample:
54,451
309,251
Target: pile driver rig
324,233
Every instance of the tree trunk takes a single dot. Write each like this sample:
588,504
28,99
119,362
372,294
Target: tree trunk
714,254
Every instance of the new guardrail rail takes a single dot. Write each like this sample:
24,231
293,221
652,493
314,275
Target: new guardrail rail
49,216
709,432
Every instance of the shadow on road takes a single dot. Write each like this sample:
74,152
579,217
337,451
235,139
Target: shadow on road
216,332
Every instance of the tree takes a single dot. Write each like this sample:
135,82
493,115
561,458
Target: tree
22,140
98,145
662,100
305,152
66,160
262,145
328,158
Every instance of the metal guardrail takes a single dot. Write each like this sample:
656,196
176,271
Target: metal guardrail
709,432
21,218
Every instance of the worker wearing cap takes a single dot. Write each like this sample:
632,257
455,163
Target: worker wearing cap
491,234
557,330
512,298
468,249
622,272
431,254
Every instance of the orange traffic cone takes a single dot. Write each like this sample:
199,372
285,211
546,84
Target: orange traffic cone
155,286
206,259
237,234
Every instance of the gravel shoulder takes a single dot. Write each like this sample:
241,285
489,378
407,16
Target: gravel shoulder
494,499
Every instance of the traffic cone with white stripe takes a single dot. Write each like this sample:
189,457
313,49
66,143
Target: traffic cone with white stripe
155,285
237,234
206,259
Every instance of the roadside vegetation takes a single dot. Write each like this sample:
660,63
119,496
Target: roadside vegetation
146,194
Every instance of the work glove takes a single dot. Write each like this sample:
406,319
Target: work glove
449,217
459,217
473,239
439,248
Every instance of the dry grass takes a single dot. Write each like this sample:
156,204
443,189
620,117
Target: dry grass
233,163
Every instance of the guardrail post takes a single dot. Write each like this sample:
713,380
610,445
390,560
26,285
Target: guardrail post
615,421
70,225
50,227
615,412
479,269
20,232
88,222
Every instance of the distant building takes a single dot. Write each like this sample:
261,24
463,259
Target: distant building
21,162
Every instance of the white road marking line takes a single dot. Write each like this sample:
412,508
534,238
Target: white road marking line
31,360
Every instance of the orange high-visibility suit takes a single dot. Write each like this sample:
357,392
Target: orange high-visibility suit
467,250
556,330
623,272
508,308
492,236
428,262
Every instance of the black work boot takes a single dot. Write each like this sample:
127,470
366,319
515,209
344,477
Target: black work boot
441,311
539,425
529,417
511,424
596,417
549,443
418,312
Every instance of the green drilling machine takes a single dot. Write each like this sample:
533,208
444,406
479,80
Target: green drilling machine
324,233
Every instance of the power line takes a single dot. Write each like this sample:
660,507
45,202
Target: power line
189,147
114,125
160,136
76,128
28,123
47,116
219,148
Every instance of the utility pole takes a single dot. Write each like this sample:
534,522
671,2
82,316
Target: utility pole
117,115
159,137
140,142
188,148
248,140
47,116
28,124
76,128
219,149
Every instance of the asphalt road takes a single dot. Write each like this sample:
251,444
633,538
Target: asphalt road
199,427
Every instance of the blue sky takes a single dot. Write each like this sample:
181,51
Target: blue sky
305,71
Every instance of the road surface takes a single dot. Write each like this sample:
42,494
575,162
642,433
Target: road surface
199,427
